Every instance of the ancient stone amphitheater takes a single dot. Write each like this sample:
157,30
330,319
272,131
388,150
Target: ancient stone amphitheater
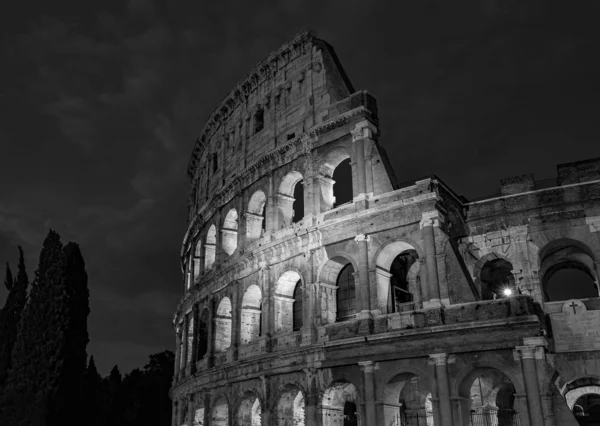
318,291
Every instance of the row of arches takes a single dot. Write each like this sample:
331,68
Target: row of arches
487,397
568,270
336,188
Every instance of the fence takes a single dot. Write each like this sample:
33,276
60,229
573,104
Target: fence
413,419
495,417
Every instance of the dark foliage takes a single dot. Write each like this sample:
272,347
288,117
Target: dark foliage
140,398
11,315
44,383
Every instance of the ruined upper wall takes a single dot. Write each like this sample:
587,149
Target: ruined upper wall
283,96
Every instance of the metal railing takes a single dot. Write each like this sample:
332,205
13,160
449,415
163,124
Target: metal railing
495,417
413,419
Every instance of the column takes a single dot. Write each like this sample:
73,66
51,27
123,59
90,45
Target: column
195,319
210,334
361,131
190,416
368,368
271,207
428,222
443,387
363,302
527,355
177,352
174,413
184,348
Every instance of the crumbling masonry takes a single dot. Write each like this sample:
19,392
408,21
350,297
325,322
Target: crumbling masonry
396,305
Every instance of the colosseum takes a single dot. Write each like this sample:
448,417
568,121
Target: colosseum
319,291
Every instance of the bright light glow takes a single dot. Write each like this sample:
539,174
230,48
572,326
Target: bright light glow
507,292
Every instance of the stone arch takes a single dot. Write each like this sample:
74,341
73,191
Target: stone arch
287,299
407,399
291,406
229,232
251,310
489,395
340,404
223,325
220,410
492,275
336,184
563,261
255,216
397,276
202,334
290,199
329,283
199,410
210,247
197,258
249,412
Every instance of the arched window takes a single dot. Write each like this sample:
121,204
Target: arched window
251,310
210,248
568,271
298,206
339,404
197,257
220,413
399,279
250,412
496,278
230,232
202,335
255,216
223,326
290,408
290,200
297,320
288,302
342,187
346,302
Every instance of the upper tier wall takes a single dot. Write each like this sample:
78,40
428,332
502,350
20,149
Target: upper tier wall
286,94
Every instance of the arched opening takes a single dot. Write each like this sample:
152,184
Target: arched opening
249,413
298,314
298,205
230,231
335,179
397,275
342,186
190,339
251,310
497,279
220,413
288,302
199,413
202,335
568,271
290,408
346,299
223,326
583,399
210,248
489,397
255,216
407,401
340,405
290,200
197,257
399,285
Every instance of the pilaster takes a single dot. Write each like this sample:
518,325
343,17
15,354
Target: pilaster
368,368
440,361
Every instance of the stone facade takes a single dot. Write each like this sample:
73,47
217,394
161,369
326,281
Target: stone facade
403,306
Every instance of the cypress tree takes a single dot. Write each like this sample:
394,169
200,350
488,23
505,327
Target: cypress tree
11,315
44,385
92,395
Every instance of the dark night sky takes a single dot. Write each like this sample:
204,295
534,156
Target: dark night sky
101,102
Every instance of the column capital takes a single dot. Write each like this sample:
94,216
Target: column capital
368,366
430,218
528,352
442,358
363,130
362,237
